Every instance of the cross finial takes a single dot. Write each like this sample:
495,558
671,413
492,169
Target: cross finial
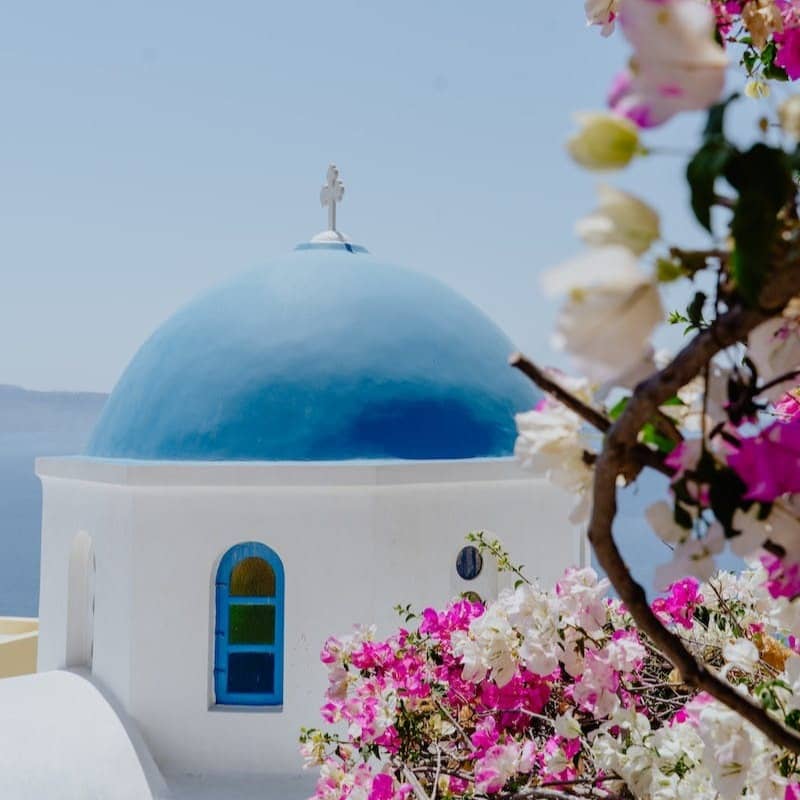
332,193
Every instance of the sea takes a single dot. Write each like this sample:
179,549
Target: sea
20,514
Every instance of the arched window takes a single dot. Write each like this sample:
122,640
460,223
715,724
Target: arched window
248,633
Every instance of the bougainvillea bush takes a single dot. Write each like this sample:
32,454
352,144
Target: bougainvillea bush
557,694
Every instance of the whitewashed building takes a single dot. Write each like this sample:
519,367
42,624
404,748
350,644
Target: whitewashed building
293,452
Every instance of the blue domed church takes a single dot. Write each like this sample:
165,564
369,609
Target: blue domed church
292,453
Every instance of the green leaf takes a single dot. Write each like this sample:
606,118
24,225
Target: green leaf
675,317
793,719
771,70
694,311
715,122
707,164
650,435
616,410
763,178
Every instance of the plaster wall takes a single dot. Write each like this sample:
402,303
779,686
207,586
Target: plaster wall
72,509
354,540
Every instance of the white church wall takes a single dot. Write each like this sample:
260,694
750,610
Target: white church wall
354,540
103,513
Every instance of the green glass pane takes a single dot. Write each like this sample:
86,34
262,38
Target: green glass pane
252,577
251,624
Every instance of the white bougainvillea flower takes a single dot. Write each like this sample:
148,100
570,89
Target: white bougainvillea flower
621,218
689,415
782,527
610,311
774,347
552,442
692,557
604,141
752,533
676,66
567,726
740,653
728,748
789,116
603,13
661,517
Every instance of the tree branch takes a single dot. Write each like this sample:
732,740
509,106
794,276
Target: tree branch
615,459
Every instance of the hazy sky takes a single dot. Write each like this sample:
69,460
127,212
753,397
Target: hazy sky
150,149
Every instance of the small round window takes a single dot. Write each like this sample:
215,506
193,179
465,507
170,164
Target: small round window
469,563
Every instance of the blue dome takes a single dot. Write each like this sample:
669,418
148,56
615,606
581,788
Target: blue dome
324,354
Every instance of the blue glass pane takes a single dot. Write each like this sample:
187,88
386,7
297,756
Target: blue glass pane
252,673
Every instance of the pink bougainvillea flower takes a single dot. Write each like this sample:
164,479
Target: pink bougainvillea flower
787,407
686,456
676,65
725,12
680,602
783,577
770,463
788,56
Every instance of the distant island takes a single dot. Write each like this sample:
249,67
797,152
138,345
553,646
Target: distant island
32,424
26,411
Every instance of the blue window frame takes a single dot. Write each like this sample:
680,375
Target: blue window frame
248,630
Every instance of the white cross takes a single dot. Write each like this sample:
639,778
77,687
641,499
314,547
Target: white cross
332,193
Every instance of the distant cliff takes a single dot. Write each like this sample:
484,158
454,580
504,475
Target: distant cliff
32,424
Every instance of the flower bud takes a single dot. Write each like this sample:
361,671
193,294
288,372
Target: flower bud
604,141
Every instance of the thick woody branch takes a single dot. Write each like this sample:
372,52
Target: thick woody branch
615,459
622,455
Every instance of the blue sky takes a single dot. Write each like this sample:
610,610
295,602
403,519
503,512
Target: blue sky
149,150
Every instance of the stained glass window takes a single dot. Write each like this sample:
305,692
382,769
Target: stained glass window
248,652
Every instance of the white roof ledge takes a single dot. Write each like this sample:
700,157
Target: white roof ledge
383,474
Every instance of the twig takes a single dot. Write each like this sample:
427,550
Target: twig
438,773
415,784
454,722
644,456
535,792
547,384
788,376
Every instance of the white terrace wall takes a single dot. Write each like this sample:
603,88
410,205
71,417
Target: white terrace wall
355,539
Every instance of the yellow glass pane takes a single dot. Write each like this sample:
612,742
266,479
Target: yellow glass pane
252,577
